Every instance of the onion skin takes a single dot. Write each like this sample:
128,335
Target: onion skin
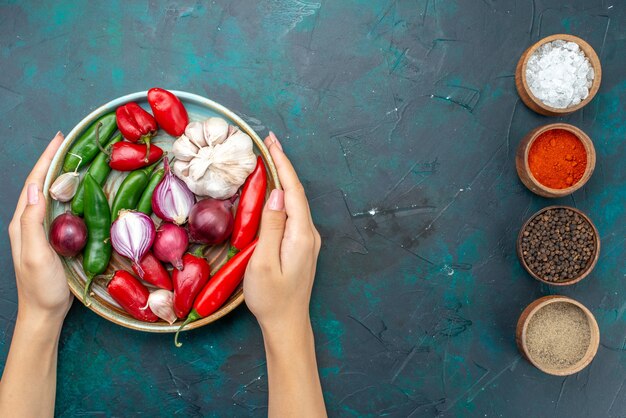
68,234
170,243
211,221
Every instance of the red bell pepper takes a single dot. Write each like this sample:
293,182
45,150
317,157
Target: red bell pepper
154,272
136,124
132,295
126,156
249,211
189,281
220,287
168,110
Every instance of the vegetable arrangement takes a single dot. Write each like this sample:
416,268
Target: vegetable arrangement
161,219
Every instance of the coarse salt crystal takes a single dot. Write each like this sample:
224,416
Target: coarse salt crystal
559,74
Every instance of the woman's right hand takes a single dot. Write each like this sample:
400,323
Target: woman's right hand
280,275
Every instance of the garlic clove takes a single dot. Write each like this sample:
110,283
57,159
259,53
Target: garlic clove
64,187
194,134
215,131
184,149
161,302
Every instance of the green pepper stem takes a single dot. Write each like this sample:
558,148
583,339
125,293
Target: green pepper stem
100,147
193,316
90,279
232,252
199,252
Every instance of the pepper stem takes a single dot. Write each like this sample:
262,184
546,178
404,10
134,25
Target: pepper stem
232,252
199,252
193,316
146,140
90,279
100,147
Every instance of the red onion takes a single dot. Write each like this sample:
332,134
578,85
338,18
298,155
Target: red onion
170,244
132,235
172,200
211,221
68,234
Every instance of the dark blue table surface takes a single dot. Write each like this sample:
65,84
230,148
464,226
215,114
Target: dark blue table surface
402,119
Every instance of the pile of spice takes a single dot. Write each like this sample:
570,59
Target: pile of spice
558,244
559,74
558,335
557,159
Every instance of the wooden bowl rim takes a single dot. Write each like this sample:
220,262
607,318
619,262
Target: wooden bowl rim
585,272
589,52
594,339
96,306
582,137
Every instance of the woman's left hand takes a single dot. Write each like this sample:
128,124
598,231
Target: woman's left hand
41,284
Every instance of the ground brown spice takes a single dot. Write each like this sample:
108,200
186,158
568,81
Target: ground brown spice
558,335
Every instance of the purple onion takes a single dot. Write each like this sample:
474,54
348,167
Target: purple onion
172,200
132,235
170,244
211,221
68,234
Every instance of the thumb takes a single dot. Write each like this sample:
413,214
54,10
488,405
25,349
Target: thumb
32,219
272,227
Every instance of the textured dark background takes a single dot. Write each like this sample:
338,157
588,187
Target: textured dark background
402,120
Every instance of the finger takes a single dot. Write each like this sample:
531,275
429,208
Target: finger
296,204
32,234
272,228
38,174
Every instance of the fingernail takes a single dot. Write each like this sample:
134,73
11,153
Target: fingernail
32,194
276,200
275,140
60,133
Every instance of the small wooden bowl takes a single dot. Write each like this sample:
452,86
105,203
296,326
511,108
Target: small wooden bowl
523,170
537,105
585,272
533,308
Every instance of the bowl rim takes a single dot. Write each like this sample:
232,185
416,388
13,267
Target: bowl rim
590,151
585,272
95,305
589,52
536,306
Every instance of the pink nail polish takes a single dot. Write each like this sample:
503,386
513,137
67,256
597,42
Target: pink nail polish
32,194
276,200
275,140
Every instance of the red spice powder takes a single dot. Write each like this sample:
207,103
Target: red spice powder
557,159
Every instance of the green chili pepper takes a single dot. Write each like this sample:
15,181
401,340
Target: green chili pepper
99,170
85,146
97,252
129,192
145,203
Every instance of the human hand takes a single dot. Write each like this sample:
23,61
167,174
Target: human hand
42,288
279,278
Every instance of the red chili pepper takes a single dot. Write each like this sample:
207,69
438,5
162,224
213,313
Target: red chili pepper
250,207
220,287
168,110
188,282
126,290
126,156
154,272
136,124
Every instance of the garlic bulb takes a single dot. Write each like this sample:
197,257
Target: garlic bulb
213,158
64,187
161,302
